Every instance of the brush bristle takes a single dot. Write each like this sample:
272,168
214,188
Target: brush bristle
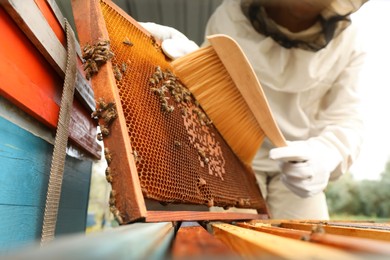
206,77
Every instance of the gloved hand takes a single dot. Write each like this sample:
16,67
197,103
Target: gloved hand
174,43
306,165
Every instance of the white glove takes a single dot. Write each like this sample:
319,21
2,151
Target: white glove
306,165
174,43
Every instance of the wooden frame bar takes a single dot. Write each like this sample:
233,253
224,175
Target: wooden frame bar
340,230
349,243
253,244
132,205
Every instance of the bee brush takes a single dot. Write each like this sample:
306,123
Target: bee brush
225,85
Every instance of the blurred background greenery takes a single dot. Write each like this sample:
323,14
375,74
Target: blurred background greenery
349,198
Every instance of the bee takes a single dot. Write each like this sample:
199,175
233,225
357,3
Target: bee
136,156
318,229
104,130
98,58
210,203
159,73
95,114
88,51
243,202
127,42
103,43
111,201
108,171
203,156
88,74
116,214
201,182
109,177
107,155
154,42
178,98
117,73
177,144
109,116
102,104
187,98
158,91
123,67
167,108
206,160
144,192
100,137
209,122
102,49
170,109
184,111
152,81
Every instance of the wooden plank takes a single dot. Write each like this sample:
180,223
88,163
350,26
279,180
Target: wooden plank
153,216
345,231
131,205
283,232
252,244
50,6
37,88
361,245
20,226
136,241
193,241
55,19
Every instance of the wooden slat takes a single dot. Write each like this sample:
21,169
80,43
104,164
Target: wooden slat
52,5
361,245
136,241
193,241
345,231
91,29
252,244
283,232
153,216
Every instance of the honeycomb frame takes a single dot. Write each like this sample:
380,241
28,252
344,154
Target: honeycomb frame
176,154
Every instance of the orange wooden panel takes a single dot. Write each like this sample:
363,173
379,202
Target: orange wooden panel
51,19
32,84
195,242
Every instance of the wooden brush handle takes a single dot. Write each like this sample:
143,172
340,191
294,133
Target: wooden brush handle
244,77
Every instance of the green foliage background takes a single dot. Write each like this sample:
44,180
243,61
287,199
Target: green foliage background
360,198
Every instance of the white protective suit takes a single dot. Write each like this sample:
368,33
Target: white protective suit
310,93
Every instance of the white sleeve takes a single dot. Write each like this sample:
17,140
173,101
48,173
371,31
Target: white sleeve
340,115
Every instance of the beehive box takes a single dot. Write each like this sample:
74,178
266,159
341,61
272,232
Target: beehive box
30,90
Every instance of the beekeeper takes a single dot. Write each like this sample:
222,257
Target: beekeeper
307,60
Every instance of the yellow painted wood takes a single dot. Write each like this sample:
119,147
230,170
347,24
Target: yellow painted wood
254,244
369,233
